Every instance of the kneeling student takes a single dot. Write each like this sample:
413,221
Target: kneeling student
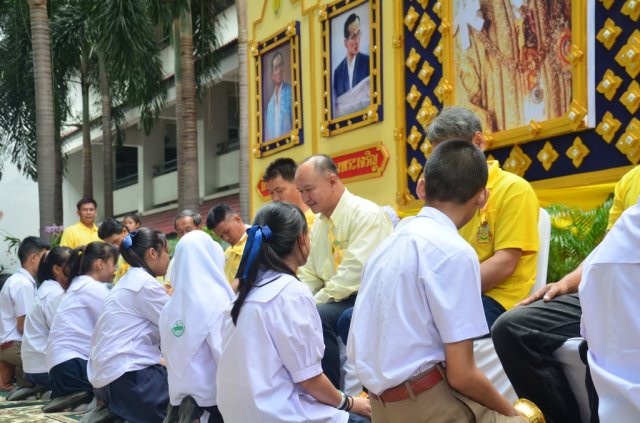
124,363
191,324
419,306
89,269
38,323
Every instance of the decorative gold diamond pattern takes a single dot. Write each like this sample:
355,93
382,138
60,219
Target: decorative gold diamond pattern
426,113
576,115
414,169
577,152
411,18
631,97
413,96
608,127
629,55
426,148
425,30
631,8
443,90
609,84
517,162
414,137
547,156
629,142
609,33
425,73
413,60
607,3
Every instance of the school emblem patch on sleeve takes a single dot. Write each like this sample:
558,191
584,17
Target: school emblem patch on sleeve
178,328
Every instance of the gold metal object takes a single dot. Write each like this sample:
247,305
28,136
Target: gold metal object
530,411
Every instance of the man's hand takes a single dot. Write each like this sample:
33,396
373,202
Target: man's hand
567,285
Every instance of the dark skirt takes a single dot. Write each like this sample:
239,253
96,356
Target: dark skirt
69,377
140,396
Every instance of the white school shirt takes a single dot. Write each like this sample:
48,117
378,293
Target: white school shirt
610,298
191,322
37,326
126,337
16,299
70,335
276,344
420,289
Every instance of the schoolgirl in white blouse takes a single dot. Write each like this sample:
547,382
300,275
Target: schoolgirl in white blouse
89,269
124,363
191,323
270,370
39,320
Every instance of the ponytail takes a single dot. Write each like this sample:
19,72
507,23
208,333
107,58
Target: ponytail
82,258
270,240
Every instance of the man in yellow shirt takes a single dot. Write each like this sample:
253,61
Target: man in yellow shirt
228,225
85,231
280,179
526,337
348,229
504,232
113,232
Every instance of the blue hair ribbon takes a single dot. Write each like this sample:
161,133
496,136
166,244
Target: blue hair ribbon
127,242
255,235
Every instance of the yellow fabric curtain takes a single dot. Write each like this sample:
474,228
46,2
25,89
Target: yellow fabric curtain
585,197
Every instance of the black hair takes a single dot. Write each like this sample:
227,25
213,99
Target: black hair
197,219
133,217
284,167
273,59
81,259
217,214
58,256
351,19
286,222
110,227
323,164
86,200
30,245
455,172
142,240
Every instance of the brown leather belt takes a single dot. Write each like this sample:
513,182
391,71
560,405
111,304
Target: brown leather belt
6,345
410,388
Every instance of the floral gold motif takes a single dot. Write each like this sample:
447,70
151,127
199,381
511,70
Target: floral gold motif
577,152
547,156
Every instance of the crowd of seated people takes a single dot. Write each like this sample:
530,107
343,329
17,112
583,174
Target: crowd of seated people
252,334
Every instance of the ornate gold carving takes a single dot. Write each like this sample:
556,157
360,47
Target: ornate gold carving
575,55
322,14
425,73
632,9
609,84
426,148
412,60
397,41
445,28
443,90
414,169
426,113
609,33
439,51
423,3
324,129
629,142
629,55
411,18
608,127
425,30
547,156
517,162
607,3
577,152
576,115
631,97
534,127
397,134
413,96
414,137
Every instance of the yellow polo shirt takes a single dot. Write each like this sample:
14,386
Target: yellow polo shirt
121,268
508,220
310,217
78,234
625,194
232,257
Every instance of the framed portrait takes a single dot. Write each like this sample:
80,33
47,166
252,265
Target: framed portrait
351,58
278,88
520,65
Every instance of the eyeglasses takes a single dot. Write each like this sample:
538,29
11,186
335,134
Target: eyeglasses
355,36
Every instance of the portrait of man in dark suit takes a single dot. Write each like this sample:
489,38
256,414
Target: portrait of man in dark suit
350,83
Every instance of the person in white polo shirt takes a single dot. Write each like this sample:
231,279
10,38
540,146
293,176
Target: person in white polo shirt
16,299
124,362
419,306
39,320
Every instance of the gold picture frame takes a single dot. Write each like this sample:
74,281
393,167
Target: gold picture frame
278,103
575,117
348,102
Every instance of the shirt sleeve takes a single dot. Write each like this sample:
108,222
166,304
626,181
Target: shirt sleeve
308,275
453,295
50,308
618,205
296,331
24,296
365,234
517,219
155,298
